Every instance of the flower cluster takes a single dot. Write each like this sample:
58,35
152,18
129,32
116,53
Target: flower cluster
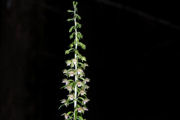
76,81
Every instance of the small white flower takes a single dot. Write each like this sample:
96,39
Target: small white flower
71,97
86,80
63,101
85,109
79,71
68,62
74,61
65,71
66,104
79,84
86,65
71,73
69,88
83,58
66,116
80,109
85,101
82,92
86,87
65,81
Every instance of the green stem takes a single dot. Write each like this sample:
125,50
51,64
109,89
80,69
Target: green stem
76,77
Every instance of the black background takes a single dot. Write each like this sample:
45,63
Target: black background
132,49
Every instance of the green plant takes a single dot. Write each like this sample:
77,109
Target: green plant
75,81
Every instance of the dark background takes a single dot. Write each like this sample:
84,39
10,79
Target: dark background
132,49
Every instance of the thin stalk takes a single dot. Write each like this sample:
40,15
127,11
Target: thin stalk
76,77
76,65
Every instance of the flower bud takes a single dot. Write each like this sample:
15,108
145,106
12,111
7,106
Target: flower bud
68,62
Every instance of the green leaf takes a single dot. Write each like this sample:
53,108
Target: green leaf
81,118
81,78
81,98
70,80
60,107
63,87
70,112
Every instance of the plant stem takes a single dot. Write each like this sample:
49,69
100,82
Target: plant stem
76,77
